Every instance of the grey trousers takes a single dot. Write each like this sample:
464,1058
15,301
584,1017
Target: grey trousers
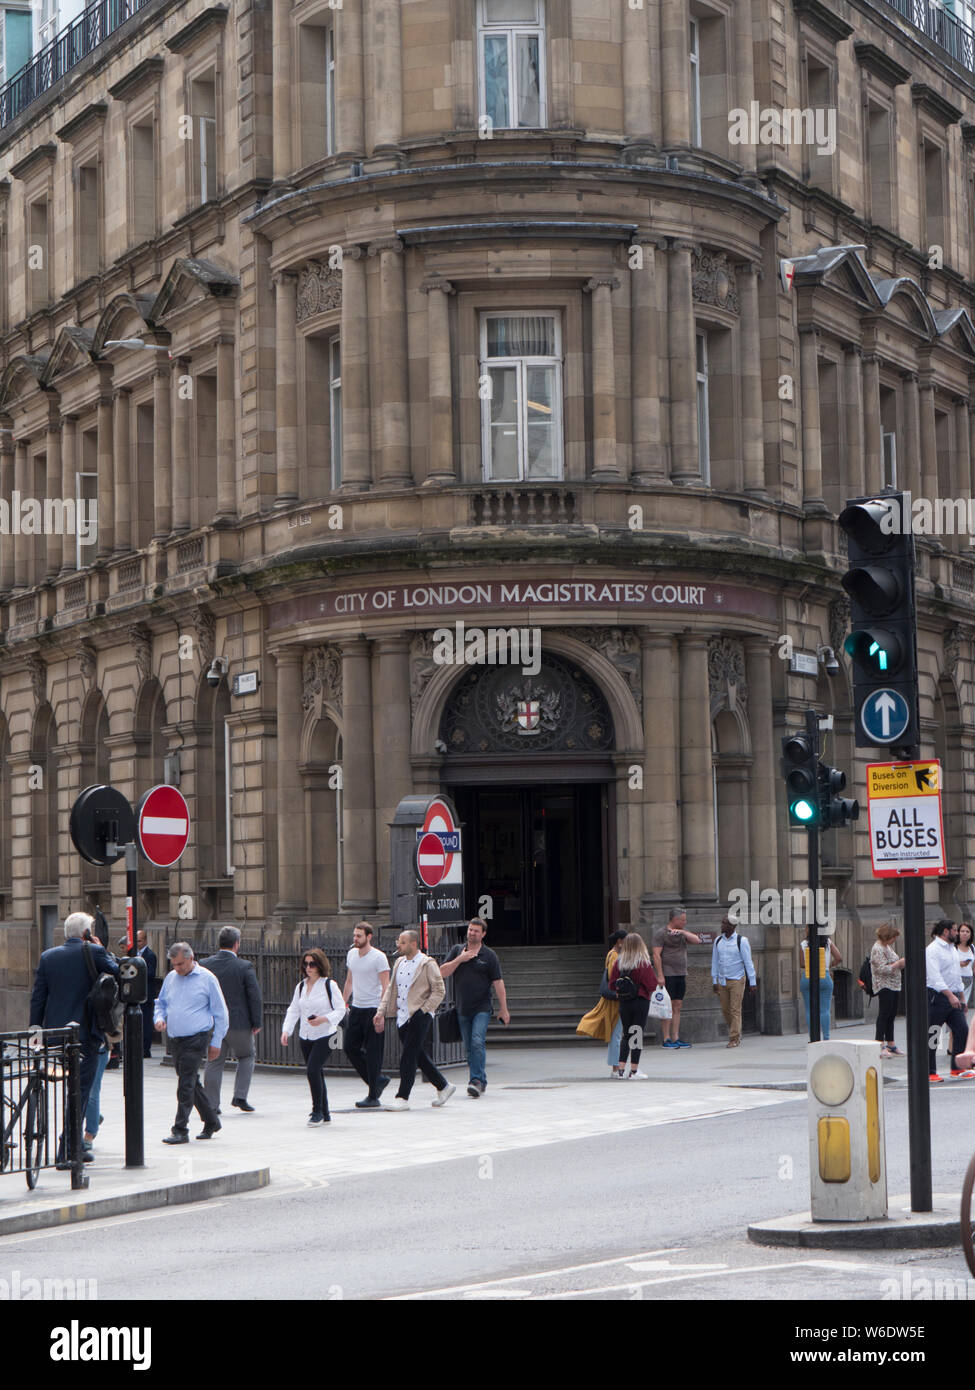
240,1042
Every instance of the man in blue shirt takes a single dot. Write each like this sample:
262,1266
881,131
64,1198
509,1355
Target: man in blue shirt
731,961
191,1009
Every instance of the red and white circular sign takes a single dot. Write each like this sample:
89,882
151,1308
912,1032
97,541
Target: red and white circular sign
431,859
163,826
439,820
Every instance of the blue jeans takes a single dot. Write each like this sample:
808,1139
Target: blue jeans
473,1029
95,1094
825,999
613,1051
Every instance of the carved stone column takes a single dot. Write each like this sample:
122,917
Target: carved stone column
6,492
162,452
440,468
394,410
106,479
752,406
762,781
971,445
961,483
123,474
872,443
929,440
282,84
358,777
53,549
908,467
648,458
22,544
69,465
853,392
182,448
696,780
286,385
674,76
393,770
637,75
744,72
685,461
226,431
290,812
349,107
812,452
661,772
605,462
387,74
356,461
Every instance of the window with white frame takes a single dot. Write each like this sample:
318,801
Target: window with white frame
703,413
694,55
335,408
204,117
890,460
86,504
329,90
511,62
521,410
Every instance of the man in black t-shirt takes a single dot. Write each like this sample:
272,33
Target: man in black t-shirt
477,968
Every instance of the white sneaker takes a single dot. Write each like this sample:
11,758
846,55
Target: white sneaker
397,1103
637,1076
444,1095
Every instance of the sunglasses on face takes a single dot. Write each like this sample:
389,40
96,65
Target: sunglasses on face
306,963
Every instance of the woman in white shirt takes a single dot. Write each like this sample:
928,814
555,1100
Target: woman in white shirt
966,957
318,1003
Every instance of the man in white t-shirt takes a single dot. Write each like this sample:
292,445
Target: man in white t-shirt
367,975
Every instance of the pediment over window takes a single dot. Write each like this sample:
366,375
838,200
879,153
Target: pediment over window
841,266
191,280
905,301
72,349
23,375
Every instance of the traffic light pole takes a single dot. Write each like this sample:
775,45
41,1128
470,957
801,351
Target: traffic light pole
918,1086
132,1033
812,950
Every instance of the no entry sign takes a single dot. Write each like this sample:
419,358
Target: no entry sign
163,826
431,860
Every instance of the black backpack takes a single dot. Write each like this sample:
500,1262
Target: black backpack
103,999
865,978
626,988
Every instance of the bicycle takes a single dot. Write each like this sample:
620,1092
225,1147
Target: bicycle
33,1101
967,1233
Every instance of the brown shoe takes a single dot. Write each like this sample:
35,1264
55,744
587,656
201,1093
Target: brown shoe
735,1044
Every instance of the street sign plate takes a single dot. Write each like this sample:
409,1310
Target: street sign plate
906,829
431,859
163,822
885,715
101,815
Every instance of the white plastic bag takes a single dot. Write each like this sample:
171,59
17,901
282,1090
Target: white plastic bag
660,1004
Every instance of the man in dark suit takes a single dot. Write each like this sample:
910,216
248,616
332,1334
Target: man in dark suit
242,992
144,950
61,987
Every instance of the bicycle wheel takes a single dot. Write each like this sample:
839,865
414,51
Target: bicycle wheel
967,1216
35,1132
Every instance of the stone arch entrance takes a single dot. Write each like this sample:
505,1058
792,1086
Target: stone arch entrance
529,762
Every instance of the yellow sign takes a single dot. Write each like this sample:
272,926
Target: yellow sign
903,779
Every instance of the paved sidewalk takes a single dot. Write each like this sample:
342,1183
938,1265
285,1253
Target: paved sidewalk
535,1096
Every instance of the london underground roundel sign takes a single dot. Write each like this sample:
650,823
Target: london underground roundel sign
163,826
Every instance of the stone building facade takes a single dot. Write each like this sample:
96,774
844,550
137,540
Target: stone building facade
361,319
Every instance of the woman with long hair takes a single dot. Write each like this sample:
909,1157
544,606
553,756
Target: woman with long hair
885,971
966,957
634,980
319,1005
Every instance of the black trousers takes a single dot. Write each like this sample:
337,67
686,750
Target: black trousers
633,1015
886,1013
364,1047
414,1036
316,1053
940,1011
189,1054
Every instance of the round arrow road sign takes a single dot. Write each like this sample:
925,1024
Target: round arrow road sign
885,715
163,826
431,859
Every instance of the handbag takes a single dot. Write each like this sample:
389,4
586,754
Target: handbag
336,1040
604,990
448,1024
660,1006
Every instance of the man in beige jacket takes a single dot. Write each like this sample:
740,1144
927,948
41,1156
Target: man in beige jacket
412,997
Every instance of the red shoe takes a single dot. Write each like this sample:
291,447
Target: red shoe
933,1077
964,1075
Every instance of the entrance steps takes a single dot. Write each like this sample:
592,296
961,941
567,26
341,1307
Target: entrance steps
548,989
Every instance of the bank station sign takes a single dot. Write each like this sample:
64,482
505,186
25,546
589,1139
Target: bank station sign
438,597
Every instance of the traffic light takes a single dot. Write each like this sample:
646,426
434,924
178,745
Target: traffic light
834,810
883,640
799,770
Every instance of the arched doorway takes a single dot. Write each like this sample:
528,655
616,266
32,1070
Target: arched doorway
529,765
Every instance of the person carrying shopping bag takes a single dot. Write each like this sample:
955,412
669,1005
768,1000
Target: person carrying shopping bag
603,1021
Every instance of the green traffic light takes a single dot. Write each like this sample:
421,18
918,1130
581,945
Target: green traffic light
804,810
879,655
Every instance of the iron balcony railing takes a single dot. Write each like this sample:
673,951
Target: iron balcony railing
944,28
92,27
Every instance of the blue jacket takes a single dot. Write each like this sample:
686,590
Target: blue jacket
62,985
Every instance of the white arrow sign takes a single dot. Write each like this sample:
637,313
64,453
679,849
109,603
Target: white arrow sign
885,707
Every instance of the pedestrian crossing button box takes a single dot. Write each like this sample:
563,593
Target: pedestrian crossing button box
847,1164
133,980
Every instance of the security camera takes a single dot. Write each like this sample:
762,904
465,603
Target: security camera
439,746
828,657
219,667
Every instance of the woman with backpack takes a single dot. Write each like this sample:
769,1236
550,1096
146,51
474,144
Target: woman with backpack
825,984
885,976
634,980
318,1003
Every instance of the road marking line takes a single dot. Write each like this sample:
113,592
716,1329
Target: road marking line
541,1274
683,1278
99,1223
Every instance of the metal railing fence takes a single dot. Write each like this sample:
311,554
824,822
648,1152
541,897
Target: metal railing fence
40,1097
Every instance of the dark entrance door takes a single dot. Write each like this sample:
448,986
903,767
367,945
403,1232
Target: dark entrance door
538,853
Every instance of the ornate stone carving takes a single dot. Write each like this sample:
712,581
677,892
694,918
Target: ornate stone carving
952,649
321,679
38,678
713,280
319,288
726,673
89,664
839,623
421,666
620,646
498,709
206,630
141,639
